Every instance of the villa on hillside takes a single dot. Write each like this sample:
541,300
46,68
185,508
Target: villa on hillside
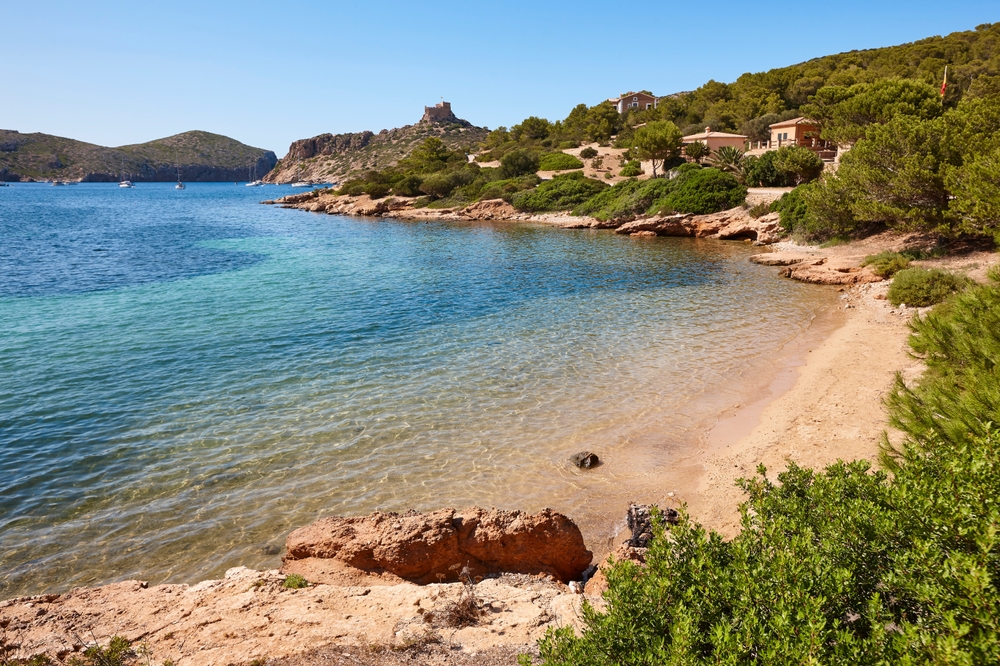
801,132
716,140
633,100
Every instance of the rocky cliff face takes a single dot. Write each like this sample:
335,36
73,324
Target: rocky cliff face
201,156
329,158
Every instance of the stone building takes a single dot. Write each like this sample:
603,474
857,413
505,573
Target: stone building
439,113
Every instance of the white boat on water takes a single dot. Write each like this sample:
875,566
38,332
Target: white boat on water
252,175
301,183
124,182
179,185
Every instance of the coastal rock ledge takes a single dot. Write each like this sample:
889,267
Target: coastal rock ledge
440,546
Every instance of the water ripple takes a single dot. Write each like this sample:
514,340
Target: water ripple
186,376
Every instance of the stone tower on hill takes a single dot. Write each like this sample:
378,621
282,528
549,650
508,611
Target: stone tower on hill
439,113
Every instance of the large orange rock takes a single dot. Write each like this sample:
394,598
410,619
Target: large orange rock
431,547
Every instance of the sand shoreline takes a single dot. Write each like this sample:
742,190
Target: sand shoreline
833,409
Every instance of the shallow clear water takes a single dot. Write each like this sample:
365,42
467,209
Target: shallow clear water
186,376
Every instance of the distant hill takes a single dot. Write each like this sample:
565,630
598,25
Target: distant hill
331,157
201,156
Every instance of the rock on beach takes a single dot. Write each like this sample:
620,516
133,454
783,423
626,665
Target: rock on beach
441,545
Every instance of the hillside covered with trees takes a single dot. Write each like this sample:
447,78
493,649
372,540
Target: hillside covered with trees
920,160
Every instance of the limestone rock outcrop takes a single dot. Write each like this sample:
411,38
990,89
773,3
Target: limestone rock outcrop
442,545
819,269
490,209
733,224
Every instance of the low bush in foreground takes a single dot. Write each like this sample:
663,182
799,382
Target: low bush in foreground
920,287
559,162
846,565
295,582
588,153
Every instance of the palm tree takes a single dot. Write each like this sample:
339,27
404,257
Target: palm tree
731,159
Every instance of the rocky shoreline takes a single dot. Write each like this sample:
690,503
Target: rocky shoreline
478,579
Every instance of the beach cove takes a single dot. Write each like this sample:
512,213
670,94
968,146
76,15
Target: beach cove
283,366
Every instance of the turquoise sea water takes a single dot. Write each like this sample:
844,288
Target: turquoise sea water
186,376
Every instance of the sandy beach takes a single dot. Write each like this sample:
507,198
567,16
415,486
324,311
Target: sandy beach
833,408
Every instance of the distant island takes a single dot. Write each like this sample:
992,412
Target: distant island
200,156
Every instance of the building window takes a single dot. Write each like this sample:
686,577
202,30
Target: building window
648,105
635,99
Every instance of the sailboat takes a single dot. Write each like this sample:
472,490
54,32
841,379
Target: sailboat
124,182
253,179
179,185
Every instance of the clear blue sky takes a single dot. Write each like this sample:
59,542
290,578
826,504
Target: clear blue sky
269,73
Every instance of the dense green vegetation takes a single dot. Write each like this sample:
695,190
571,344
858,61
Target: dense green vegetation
934,171
686,189
447,178
847,565
918,162
563,192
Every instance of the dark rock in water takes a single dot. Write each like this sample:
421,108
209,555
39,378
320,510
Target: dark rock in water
585,459
640,523
271,550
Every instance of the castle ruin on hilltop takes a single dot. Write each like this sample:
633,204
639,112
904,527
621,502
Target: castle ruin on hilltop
439,113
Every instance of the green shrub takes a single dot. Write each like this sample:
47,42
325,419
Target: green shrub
920,287
631,170
561,193
705,191
588,153
627,200
792,209
759,210
567,145
438,185
696,150
518,163
353,187
558,162
506,189
407,186
682,171
376,190
118,652
295,582
797,165
886,264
